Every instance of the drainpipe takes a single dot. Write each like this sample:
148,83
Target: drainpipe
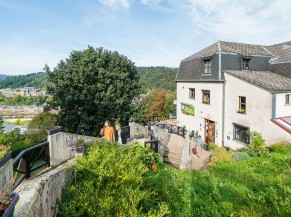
273,105
223,112
223,93
219,61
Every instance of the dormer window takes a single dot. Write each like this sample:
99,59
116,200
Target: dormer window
246,63
207,66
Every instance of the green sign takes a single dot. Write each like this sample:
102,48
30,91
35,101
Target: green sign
188,109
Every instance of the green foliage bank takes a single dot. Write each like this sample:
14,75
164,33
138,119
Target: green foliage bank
115,181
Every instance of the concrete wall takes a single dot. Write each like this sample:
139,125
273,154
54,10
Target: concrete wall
37,197
137,128
163,136
213,111
6,173
258,112
282,110
62,146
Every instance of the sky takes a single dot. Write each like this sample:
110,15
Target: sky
149,32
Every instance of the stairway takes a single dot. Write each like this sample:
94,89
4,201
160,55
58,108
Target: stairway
174,150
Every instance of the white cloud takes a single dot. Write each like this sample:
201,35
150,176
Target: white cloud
114,3
254,21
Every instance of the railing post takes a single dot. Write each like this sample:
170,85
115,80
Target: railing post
48,155
26,165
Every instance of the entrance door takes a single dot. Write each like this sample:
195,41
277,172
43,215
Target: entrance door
209,131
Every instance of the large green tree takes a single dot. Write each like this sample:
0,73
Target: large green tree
90,86
39,125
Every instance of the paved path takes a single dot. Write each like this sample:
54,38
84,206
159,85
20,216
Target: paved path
199,163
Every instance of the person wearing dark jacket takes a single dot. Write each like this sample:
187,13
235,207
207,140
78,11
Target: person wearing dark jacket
120,135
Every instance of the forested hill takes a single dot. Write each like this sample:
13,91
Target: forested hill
2,76
151,78
159,77
37,80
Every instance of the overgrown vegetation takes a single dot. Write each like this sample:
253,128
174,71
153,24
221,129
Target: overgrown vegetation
115,181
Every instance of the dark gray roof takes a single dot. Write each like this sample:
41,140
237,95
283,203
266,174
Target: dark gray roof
243,49
231,47
206,52
282,51
265,79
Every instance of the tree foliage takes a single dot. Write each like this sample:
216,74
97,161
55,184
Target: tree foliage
19,100
39,125
156,103
159,77
90,86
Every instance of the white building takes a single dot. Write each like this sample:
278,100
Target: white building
229,88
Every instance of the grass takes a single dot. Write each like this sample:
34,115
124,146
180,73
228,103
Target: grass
115,181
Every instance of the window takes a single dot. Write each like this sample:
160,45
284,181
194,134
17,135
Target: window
241,134
246,64
207,66
191,93
288,99
206,96
242,105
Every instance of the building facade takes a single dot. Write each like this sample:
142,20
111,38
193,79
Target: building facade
229,88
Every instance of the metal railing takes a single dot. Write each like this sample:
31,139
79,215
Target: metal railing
173,129
30,160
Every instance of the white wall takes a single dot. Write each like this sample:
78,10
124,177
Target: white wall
282,109
258,112
212,112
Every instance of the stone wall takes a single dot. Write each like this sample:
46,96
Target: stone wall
137,128
38,196
62,146
163,136
6,173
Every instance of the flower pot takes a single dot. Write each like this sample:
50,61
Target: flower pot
10,210
5,159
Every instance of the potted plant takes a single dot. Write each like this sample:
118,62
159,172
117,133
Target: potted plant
5,154
139,135
241,111
8,201
205,101
80,145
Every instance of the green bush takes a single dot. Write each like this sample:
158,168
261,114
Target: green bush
221,156
257,144
109,181
280,146
244,149
213,146
240,156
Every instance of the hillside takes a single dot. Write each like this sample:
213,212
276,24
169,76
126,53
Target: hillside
159,77
2,76
151,78
37,80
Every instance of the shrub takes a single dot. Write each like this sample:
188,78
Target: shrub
3,150
244,149
221,156
240,156
109,181
279,146
257,144
212,146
